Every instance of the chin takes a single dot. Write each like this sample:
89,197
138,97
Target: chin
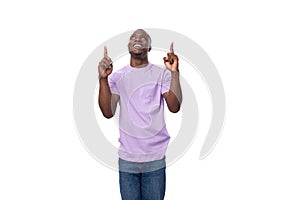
136,54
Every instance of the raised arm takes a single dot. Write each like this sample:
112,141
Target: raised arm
174,96
106,100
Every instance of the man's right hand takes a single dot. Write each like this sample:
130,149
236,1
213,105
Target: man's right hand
105,66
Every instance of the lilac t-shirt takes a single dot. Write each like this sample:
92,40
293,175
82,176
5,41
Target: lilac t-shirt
143,133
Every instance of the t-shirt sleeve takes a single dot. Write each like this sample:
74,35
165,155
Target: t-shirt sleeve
112,81
166,81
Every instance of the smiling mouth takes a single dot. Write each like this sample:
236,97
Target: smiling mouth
137,46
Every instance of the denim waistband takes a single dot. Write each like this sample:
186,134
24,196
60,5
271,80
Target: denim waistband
141,167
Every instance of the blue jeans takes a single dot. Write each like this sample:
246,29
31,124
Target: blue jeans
142,181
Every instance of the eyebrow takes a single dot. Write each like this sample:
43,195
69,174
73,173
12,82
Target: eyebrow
142,35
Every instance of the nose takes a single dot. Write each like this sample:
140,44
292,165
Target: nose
137,39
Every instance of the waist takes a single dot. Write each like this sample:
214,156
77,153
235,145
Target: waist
141,167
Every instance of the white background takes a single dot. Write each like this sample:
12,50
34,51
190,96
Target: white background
254,44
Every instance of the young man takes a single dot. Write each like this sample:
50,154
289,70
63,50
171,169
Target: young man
140,89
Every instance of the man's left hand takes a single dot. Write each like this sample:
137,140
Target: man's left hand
171,62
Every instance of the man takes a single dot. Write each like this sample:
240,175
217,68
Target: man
140,88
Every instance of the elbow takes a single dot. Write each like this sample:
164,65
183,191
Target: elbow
173,102
107,116
174,109
106,112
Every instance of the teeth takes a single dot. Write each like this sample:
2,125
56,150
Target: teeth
137,45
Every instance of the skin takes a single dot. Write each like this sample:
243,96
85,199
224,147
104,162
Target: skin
138,46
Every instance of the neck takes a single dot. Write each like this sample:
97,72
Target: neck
138,62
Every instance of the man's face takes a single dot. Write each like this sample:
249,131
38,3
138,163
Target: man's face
139,43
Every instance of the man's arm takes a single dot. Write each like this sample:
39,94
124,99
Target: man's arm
174,96
106,100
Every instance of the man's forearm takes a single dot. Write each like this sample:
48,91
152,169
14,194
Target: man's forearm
175,86
174,96
104,98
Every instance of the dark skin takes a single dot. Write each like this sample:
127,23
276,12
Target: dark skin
106,100
138,47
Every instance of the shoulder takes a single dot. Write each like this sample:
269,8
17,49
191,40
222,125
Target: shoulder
161,71
118,74
158,67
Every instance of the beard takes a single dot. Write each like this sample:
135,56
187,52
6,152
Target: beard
139,55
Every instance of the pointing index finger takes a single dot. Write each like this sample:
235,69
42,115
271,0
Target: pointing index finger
105,51
171,48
